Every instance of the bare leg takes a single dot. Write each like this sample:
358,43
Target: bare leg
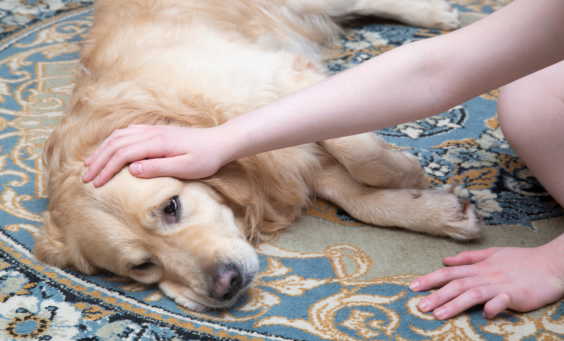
531,114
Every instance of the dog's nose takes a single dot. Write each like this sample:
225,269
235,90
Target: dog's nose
227,284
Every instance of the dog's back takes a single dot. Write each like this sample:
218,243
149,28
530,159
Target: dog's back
191,63
244,53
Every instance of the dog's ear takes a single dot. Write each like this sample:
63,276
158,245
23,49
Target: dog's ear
239,182
50,248
238,189
234,183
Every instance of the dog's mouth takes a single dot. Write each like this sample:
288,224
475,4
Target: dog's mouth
222,290
187,298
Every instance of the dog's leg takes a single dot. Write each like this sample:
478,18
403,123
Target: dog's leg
437,212
422,13
368,161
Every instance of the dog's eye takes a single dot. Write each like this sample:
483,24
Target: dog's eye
171,211
172,206
142,266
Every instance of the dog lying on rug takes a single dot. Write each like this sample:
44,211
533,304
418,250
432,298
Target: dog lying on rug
199,64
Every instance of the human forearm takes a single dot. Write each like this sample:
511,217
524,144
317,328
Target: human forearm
409,83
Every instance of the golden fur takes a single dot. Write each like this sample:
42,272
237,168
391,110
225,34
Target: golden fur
199,64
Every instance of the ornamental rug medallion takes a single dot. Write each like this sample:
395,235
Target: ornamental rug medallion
329,277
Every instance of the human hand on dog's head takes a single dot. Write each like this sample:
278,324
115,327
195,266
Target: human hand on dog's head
154,151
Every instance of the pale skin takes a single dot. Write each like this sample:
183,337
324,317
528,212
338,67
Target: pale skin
411,82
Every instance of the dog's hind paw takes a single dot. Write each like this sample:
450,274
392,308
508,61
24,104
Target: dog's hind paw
437,14
448,20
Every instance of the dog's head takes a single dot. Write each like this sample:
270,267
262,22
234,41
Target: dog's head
194,238
180,234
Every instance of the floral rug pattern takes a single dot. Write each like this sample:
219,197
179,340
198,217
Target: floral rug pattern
298,295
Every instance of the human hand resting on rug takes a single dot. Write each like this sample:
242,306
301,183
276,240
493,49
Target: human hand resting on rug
517,278
408,83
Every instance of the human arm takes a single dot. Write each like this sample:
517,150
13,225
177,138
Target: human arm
411,82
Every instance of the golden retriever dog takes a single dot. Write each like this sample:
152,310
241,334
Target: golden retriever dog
200,63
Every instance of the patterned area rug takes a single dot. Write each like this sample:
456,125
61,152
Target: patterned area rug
328,277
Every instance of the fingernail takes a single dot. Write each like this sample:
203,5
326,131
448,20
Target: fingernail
88,160
439,313
85,175
423,305
414,285
484,315
136,168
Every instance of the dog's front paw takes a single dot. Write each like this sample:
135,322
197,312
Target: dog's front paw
442,213
454,217
463,222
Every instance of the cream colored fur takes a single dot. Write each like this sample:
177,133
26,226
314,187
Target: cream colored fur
199,64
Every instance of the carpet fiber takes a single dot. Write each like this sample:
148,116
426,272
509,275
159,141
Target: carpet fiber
328,277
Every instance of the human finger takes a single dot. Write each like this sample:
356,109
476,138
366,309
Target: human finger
496,305
178,167
441,277
139,126
466,300
469,257
139,150
116,134
449,292
104,156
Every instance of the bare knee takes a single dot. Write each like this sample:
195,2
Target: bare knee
513,111
530,109
526,107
